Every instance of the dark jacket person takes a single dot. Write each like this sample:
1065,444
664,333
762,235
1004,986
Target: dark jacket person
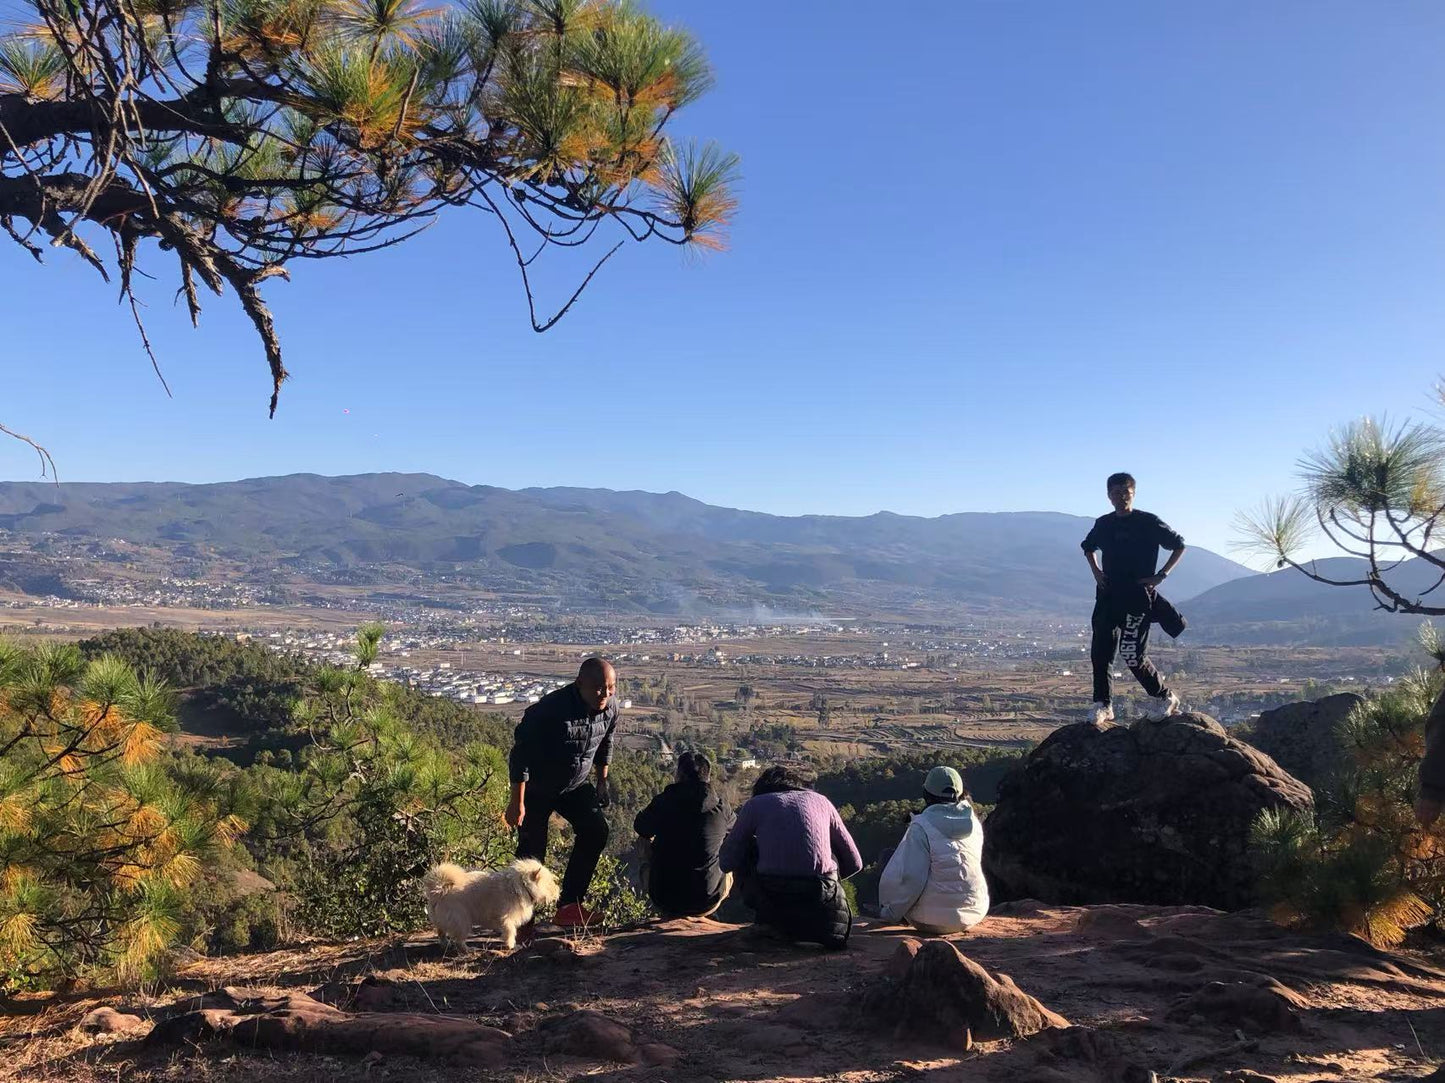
560,740
687,823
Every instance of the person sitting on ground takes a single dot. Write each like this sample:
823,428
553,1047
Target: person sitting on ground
934,880
683,828
792,851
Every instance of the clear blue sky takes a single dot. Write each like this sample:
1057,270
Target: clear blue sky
989,251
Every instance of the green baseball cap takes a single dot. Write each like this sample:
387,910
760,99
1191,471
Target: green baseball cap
943,782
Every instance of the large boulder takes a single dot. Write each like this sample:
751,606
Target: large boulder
1302,737
1153,812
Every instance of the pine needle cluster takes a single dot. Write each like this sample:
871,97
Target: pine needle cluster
237,137
99,841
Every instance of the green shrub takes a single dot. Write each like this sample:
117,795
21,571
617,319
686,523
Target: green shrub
614,899
374,805
100,840
1361,864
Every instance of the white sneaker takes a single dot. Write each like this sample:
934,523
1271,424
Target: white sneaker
1161,707
1101,712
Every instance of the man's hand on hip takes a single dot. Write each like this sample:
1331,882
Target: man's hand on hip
1152,580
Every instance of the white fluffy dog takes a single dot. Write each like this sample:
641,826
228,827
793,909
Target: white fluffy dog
499,899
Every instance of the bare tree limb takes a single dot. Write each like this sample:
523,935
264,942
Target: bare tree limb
46,462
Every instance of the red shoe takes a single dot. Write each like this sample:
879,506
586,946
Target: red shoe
574,916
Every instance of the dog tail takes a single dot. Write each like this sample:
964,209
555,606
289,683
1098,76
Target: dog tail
443,880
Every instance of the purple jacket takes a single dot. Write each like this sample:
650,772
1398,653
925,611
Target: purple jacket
798,833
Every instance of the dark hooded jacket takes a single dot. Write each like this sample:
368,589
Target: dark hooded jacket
686,823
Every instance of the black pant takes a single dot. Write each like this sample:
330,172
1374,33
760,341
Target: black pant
579,808
1121,626
806,909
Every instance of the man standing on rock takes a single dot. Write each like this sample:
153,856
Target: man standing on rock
559,741
1130,541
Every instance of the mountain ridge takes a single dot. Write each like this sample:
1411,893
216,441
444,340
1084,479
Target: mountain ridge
1287,608
603,547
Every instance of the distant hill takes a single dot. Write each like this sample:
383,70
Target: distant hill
659,552
1286,608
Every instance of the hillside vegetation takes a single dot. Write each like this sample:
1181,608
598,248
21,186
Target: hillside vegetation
320,822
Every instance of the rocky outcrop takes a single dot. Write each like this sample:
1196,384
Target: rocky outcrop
1153,812
935,993
1301,737
300,1023
1154,994
1257,1006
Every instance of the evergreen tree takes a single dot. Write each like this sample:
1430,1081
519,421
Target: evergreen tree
1374,491
235,138
1362,863
376,803
98,840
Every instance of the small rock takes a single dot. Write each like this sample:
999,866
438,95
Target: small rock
107,1020
658,1055
1085,1052
1255,1008
587,1033
374,995
1111,921
902,958
1048,1075
1017,908
370,994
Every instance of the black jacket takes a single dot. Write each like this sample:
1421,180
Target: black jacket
1111,605
686,823
1163,613
559,739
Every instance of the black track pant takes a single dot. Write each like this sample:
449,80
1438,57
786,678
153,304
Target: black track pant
579,808
1121,626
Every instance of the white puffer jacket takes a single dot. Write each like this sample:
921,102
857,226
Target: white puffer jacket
935,877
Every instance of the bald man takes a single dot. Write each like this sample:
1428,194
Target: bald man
560,740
